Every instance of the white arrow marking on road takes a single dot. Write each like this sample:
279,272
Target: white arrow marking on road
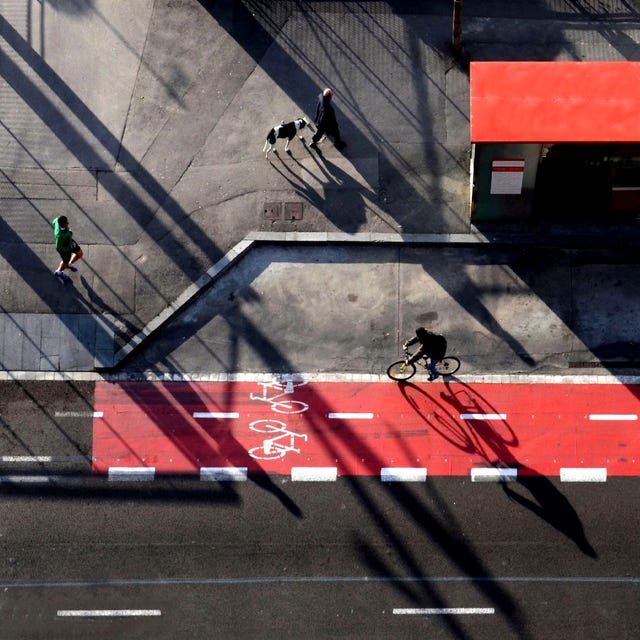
445,612
350,416
113,613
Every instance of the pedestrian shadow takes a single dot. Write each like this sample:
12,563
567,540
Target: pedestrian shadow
331,190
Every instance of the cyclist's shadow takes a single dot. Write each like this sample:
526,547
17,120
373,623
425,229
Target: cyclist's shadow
547,501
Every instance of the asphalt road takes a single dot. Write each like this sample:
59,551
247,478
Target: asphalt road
318,560
268,557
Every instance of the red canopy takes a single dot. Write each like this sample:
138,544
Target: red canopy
555,102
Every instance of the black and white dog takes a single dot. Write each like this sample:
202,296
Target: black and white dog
285,130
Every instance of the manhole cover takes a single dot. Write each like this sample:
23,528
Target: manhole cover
293,210
272,211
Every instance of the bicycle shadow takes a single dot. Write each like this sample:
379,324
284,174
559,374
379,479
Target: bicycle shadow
494,445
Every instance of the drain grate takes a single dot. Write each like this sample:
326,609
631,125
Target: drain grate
617,364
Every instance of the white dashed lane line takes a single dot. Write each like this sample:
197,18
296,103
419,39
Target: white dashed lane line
215,415
79,414
483,416
452,611
314,474
403,474
493,474
107,613
583,474
613,417
128,474
228,474
42,459
350,416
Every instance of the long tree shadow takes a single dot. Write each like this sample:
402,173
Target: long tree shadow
193,438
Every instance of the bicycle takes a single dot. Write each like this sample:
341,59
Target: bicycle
401,371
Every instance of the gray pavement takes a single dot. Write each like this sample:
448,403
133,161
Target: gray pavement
145,127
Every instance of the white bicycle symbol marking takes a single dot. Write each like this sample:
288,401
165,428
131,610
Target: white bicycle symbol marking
281,406
273,448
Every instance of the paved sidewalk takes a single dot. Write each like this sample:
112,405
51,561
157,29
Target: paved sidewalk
145,128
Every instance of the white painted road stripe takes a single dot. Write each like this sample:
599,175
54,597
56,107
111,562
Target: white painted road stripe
61,459
314,474
483,416
132,473
403,474
223,473
350,416
583,475
111,613
216,414
613,416
79,414
456,611
492,474
27,479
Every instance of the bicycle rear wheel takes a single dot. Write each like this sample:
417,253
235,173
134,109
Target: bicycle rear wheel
448,366
400,371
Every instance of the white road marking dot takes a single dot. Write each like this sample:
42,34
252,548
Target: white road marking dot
613,416
314,474
483,416
216,414
494,475
350,416
223,473
132,473
403,474
583,475
455,611
110,613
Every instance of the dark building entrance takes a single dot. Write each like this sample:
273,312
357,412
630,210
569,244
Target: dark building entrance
588,182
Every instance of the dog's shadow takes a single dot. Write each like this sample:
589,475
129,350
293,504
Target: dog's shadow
327,187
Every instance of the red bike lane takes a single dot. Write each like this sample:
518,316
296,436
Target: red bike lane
363,428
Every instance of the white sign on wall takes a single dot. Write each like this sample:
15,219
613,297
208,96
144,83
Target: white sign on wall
507,175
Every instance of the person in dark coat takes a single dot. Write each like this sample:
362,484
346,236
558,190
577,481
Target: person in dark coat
432,346
326,123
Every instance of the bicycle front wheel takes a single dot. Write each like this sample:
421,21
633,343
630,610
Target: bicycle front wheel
448,366
400,371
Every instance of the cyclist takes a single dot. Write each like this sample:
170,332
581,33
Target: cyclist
432,347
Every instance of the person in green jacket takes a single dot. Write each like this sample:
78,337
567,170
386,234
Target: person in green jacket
66,246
